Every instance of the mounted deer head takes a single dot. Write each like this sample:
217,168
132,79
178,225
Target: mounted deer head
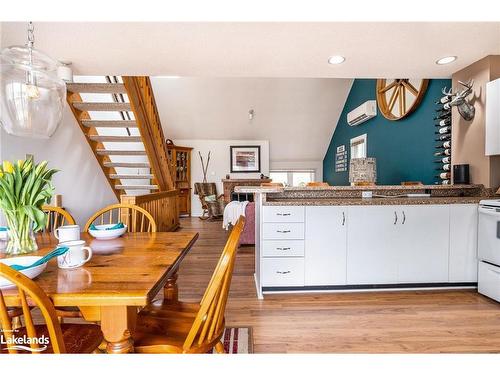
466,110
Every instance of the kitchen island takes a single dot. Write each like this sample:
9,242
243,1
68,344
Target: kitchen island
331,239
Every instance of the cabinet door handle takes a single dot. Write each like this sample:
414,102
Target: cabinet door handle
280,214
395,218
283,248
404,218
343,218
283,231
282,272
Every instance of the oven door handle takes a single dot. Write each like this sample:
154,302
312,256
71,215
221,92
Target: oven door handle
489,211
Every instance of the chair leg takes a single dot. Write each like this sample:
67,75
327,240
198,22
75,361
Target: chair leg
219,348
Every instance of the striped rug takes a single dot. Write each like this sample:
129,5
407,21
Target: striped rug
237,340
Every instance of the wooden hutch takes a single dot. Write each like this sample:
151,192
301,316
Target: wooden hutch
180,168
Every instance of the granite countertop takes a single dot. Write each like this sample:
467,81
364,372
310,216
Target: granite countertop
373,201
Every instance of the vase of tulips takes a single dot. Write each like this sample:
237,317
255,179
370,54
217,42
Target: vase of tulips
24,188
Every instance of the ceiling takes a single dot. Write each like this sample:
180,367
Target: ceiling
372,50
296,115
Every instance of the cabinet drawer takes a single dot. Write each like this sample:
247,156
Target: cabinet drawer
489,280
283,231
286,248
283,214
283,272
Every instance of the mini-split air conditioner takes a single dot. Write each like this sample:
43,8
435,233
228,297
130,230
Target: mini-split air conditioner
363,113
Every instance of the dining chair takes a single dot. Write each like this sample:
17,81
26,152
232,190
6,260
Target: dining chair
177,327
317,183
65,338
56,217
136,218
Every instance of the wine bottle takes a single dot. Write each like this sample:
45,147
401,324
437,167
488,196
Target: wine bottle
445,122
445,152
445,167
446,144
445,182
442,115
443,130
444,99
444,175
443,137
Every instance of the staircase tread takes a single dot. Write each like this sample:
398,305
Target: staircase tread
96,88
116,138
126,165
101,151
136,187
110,123
100,106
131,176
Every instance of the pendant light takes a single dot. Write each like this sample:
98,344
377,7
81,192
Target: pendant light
32,97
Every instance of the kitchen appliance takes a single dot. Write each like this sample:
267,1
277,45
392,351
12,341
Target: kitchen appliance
489,248
461,174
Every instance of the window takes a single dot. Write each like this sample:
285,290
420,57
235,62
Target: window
293,177
358,147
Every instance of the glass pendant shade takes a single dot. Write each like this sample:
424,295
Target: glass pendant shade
31,94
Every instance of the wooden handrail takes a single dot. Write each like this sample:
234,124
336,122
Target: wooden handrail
163,206
142,102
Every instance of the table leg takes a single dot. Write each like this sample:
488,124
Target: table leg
170,290
118,325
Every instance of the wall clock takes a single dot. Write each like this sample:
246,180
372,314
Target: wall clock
397,98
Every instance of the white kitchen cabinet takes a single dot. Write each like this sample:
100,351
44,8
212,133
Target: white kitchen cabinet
325,245
283,272
283,214
372,251
463,242
422,243
492,118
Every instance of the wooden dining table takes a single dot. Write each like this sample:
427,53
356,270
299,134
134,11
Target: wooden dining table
123,275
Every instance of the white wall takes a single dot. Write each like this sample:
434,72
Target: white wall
219,163
80,180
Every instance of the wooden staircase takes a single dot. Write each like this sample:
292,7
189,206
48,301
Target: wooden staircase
121,155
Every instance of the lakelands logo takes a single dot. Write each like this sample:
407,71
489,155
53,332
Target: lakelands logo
24,342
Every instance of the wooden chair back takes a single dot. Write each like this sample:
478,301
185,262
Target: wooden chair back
136,218
317,183
56,217
27,287
209,322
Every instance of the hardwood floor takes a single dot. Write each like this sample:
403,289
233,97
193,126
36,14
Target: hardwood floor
376,322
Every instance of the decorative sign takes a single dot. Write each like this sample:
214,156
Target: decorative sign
341,159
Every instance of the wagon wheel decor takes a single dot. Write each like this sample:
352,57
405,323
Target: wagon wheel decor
397,98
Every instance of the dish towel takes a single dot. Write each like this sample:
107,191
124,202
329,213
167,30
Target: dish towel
232,213
116,226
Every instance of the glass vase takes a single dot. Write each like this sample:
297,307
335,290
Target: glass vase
21,236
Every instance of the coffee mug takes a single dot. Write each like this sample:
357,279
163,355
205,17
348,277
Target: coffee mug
75,256
67,233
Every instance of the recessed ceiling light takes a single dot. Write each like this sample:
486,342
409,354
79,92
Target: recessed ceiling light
335,60
446,60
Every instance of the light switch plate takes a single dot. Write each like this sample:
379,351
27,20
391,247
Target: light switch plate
366,194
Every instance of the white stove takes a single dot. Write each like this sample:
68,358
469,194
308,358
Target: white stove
489,248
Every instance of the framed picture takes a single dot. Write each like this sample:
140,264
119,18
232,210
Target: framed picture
245,159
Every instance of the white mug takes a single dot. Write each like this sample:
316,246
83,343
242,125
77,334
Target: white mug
67,233
75,256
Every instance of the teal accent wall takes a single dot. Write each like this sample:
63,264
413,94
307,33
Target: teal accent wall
404,149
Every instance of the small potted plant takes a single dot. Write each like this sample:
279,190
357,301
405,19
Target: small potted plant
24,188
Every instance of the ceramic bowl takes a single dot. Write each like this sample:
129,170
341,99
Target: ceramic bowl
22,261
100,233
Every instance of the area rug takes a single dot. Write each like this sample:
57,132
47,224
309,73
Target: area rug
237,340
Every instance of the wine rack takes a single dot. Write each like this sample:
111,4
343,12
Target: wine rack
442,133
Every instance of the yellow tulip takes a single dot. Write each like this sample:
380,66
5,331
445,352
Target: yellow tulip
1,174
8,167
20,164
